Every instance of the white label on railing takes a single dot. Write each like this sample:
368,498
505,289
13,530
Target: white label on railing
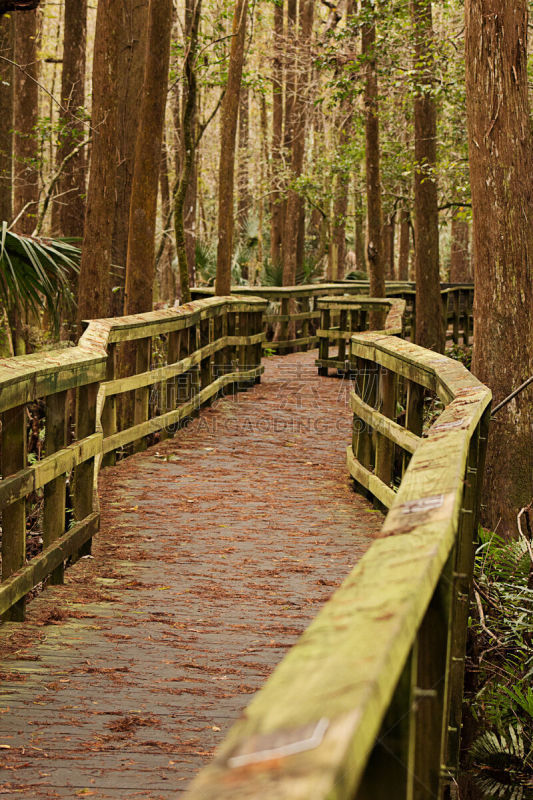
422,504
278,744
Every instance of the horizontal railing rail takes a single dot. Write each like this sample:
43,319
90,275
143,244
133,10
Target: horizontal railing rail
342,315
292,318
178,360
367,704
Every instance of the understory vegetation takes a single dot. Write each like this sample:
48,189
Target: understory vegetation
499,727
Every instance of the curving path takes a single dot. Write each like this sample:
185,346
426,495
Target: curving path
216,549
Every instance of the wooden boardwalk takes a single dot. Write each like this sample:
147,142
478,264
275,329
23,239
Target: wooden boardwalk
216,549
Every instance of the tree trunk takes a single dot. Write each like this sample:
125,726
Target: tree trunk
143,205
501,164
376,262
131,59
403,258
276,221
187,149
167,283
7,26
94,278
230,110
429,323
26,118
340,205
68,211
292,230
388,246
243,207
360,260
460,271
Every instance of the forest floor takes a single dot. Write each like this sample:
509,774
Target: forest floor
217,547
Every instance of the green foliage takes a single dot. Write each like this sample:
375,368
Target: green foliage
461,353
36,272
501,667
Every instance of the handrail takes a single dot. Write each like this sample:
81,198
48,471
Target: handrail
293,325
368,702
343,315
204,346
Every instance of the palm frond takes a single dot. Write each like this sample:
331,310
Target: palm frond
36,272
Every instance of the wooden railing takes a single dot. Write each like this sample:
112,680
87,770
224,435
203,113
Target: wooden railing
341,316
368,703
292,317
188,355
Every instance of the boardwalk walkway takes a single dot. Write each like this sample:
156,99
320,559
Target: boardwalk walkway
216,549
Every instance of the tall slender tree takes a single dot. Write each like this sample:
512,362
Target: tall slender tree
69,208
244,157
131,61
228,124
374,250
7,25
94,294
501,164
460,271
26,117
429,321
140,270
187,126
292,233
276,217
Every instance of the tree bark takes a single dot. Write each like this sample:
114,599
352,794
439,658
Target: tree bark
388,246
360,260
501,164
403,258
460,271
429,323
230,110
7,26
94,278
299,84
243,207
68,211
143,205
26,118
374,250
167,283
340,205
187,150
276,219
131,60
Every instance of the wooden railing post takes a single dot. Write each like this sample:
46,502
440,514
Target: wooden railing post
323,342
142,396
388,386
284,325
460,601
84,473
343,325
258,348
55,491
456,315
427,699
386,773
14,515
468,297
205,363
109,411
363,442
170,386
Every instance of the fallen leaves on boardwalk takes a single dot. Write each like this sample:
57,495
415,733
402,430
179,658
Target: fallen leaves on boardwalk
217,547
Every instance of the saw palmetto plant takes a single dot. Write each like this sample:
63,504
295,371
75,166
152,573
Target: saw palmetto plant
36,273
